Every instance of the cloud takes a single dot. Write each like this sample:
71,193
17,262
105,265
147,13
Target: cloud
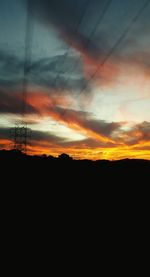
46,136
46,142
56,107
94,25
4,133
141,131
79,120
88,143
144,127
136,134
140,60
36,136
84,119
13,103
48,139
96,31
65,16
55,73
10,65
68,75
51,73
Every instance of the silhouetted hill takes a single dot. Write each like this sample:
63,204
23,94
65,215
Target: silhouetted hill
48,169
46,186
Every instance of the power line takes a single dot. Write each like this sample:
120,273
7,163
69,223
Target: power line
68,48
118,42
100,18
126,31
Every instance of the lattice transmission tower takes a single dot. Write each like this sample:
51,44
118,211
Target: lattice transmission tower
20,133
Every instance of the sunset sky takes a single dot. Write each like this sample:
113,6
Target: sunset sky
88,76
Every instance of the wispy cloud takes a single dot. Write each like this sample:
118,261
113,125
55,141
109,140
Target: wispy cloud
13,103
49,73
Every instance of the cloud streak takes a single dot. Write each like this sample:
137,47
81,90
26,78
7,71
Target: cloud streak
90,148
12,103
66,17
49,73
54,106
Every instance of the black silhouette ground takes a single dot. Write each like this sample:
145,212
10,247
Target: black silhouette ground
50,170
63,190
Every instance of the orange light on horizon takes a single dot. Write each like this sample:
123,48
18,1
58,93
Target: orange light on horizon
114,153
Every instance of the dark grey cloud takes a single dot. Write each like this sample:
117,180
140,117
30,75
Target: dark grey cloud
4,133
89,143
95,25
137,133
102,127
144,130
67,15
85,120
46,136
10,64
50,73
55,73
11,71
56,64
7,84
36,138
11,102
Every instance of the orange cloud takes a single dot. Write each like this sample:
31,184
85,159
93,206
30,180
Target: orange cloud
106,72
86,149
5,143
47,105
43,100
102,74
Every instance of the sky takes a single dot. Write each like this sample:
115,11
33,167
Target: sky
86,64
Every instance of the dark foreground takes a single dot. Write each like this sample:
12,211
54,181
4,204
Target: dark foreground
46,187
50,170
71,205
